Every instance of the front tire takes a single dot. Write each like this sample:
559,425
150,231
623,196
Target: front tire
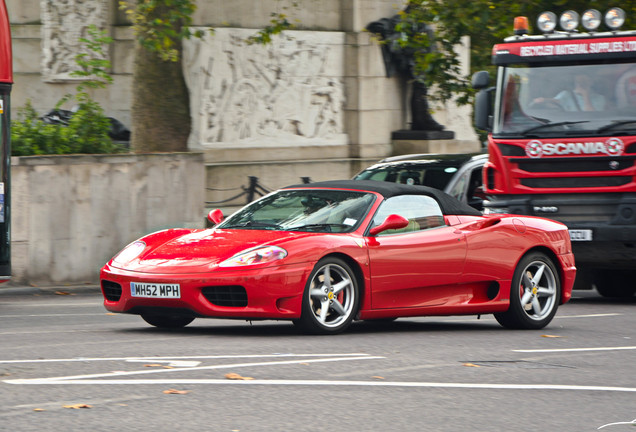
331,298
534,294
168,321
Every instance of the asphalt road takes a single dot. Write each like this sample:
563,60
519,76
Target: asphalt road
68,365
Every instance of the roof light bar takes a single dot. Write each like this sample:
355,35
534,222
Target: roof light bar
547,22
591,19
569,20
615,18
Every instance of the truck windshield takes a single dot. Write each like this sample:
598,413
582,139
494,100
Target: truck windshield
590,99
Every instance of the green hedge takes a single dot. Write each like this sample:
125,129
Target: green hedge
87,132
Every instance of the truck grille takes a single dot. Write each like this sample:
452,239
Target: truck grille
575,165
111,290
228,296
575,182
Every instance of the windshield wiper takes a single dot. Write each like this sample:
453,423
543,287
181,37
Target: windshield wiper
615,123
541,126
253,224
328,226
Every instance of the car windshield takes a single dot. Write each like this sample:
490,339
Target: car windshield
563,100
311,210
433,173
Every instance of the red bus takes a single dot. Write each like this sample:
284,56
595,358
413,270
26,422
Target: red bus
6,82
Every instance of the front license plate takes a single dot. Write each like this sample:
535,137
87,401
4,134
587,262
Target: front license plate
155,290
581,235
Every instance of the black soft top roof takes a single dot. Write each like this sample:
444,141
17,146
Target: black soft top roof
448,204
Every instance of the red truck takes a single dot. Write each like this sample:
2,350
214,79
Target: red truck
561,119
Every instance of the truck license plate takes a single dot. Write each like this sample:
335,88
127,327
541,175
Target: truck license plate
155,290
581,235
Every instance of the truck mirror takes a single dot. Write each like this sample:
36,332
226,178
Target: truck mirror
481,80
484,109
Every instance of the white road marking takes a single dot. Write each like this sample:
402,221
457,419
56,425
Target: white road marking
56,304
633,422
208,357
589,315
171,363
575,349
49,315
329,383
65,379
112,378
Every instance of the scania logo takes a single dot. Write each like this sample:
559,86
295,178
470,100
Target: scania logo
611,147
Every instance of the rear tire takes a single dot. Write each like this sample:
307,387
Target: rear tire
614,283
168,321
534,294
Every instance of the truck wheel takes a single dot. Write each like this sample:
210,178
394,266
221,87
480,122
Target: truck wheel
615,283
534,294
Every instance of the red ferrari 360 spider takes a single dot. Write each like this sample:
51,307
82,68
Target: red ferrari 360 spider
324,254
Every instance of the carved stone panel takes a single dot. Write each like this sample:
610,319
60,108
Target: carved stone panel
290,92
64,23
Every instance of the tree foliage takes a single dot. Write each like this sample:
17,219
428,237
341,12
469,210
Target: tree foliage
487,22
161,25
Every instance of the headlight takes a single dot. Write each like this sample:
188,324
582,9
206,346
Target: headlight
615,18
591,19
259,255
547,22
130,252
569,20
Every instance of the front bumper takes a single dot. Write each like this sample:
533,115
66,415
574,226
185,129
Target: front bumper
272,292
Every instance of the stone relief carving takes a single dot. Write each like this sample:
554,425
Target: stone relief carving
290,92
64,22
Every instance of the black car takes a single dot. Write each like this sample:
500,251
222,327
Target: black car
459,175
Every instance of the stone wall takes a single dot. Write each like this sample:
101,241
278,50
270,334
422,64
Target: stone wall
70,214
370,105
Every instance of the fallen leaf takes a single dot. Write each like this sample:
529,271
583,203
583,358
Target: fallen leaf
470,365
62,293
153,365
168,367
377,377
174,391
39,409
304,364
78,406
551,336
110,313
235,376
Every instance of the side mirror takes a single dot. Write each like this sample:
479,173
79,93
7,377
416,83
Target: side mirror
391,222
215,216
484,109
480,80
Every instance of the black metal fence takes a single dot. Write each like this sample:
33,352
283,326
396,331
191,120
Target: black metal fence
250,192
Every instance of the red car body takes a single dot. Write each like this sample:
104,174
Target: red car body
463,265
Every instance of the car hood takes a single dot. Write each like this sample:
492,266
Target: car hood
201,251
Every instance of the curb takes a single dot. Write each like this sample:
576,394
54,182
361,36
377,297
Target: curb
18,290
